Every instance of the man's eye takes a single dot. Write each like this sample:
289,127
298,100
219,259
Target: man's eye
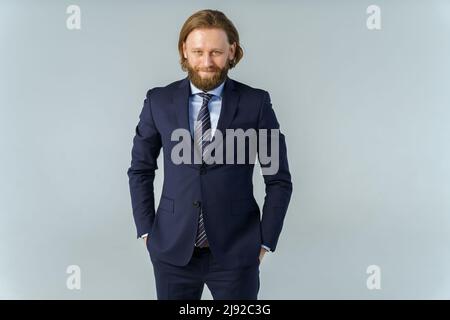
216,53
197,52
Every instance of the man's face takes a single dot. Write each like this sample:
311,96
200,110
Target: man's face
208,54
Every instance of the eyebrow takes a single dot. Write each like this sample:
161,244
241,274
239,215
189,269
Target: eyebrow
214,49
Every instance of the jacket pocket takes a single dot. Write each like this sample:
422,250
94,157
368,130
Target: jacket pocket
166,204
244,206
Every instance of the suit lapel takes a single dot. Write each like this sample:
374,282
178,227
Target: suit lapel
180,99
230,101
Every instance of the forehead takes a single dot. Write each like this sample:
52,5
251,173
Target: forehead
211,37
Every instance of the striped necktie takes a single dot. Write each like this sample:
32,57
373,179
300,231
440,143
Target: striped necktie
203,134
203,125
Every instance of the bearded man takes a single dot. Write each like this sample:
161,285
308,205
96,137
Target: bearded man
208,227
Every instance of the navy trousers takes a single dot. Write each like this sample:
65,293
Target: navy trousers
187,282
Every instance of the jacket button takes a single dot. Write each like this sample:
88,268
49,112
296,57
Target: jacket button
196,204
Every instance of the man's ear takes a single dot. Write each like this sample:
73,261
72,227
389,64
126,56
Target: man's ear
184,50
232,50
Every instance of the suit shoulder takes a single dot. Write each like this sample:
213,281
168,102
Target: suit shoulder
164,90
247,89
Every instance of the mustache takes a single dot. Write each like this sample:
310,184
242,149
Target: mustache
216,69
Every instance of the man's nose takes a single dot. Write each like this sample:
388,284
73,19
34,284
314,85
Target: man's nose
207,61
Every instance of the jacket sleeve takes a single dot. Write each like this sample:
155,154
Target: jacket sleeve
278,185
146,148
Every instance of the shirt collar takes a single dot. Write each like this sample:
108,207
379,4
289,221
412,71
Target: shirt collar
216,91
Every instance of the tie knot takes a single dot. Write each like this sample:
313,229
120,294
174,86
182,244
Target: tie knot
206,96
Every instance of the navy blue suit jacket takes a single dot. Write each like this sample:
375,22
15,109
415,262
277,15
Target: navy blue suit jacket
234,225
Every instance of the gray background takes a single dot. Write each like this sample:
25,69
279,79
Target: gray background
365,114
